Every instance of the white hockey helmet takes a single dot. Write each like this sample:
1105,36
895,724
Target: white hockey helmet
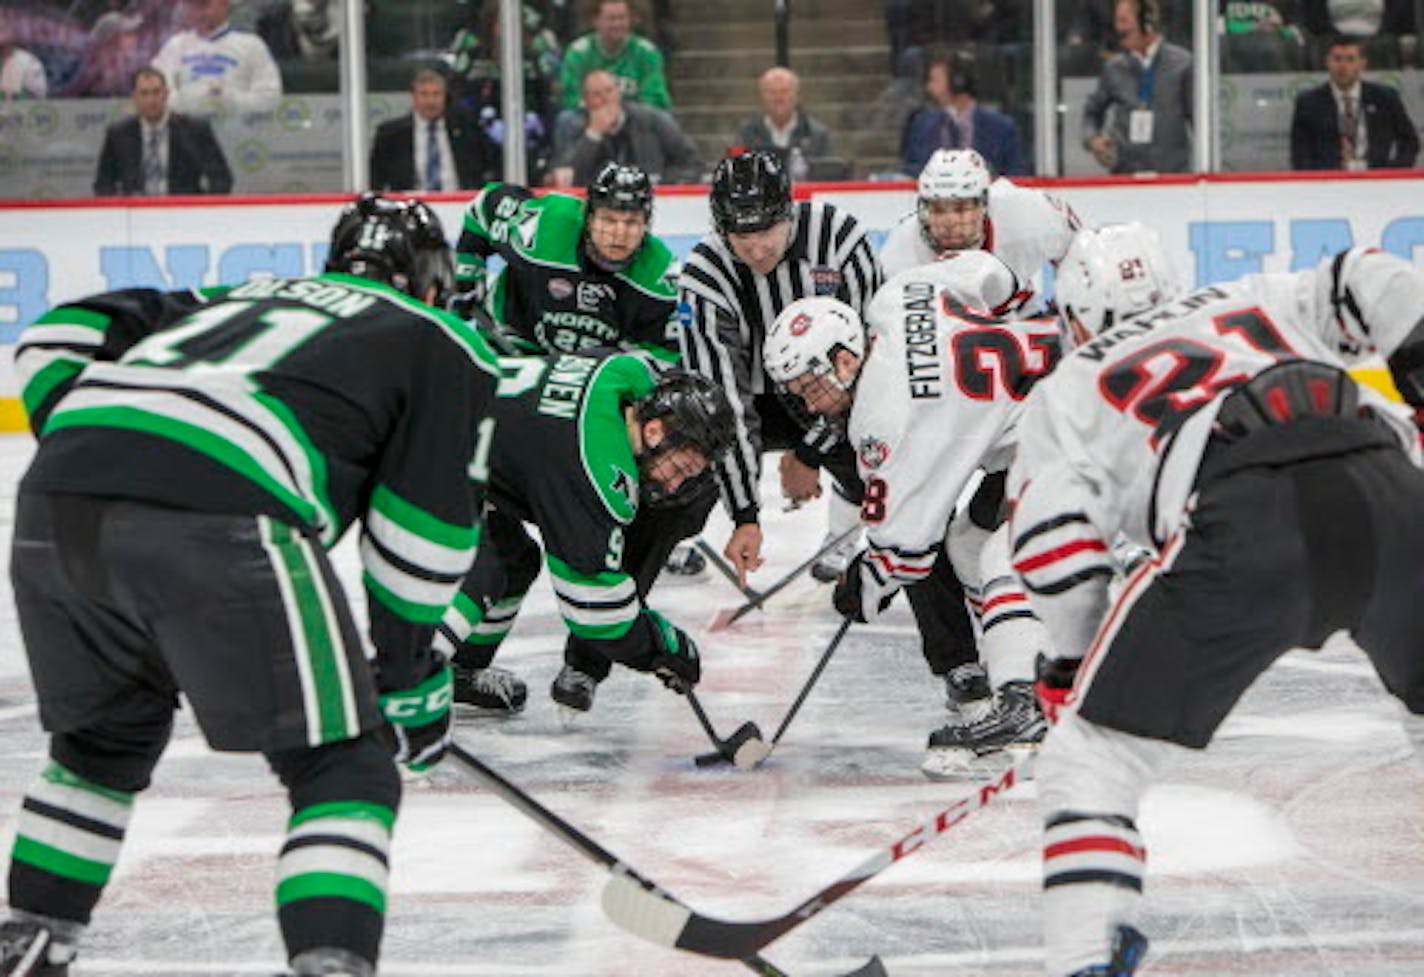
1111,274
805,336
977,280
954,174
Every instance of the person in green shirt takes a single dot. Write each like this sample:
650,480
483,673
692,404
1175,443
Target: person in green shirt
613,47
575,275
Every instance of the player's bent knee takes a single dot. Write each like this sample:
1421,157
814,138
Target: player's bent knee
355,769
119,760
1086,767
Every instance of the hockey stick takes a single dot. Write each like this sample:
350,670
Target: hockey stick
754,754
725,619
725,568
740,748
595,852
658,918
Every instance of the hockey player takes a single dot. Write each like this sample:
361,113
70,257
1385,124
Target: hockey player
576,275
1282,501
585,441
960,207
765,252
170,536
933,401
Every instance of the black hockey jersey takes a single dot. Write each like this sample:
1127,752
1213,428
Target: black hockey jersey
315,401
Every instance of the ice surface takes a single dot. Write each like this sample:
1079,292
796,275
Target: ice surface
1294,847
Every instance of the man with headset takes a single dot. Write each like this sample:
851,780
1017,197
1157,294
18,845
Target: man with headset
1139,118
955,120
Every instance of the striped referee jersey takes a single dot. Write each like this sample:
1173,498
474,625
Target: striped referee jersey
725,309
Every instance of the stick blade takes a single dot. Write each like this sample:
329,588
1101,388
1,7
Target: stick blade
723,619
711,759
644,913
751,753
872,968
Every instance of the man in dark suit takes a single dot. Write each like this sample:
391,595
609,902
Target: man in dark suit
432,148
954,119
1348,123
159,152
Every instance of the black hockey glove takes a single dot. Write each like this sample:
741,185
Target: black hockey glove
1053,683
855,588
676,664
419,720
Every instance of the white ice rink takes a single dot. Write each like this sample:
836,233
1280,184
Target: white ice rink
1294,847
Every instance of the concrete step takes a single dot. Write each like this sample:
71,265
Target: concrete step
729,32
809,63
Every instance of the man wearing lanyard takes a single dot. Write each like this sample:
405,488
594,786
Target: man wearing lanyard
1139,117
1349,123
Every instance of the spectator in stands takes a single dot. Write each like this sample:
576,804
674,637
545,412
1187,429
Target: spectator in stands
157,151
1359,18
432,148
1139,117
1261,35
475,53
954,119
113,52
609,129
306,30
613,47
211,67
21,73
1348,123
782,127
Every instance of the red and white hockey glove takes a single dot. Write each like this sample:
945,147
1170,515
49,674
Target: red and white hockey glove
1054,684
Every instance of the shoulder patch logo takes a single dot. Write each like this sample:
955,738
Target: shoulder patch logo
873,452
625,485
560,288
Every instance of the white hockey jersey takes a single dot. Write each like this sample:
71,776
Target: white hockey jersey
938,398
227,70
1023,227
1112,441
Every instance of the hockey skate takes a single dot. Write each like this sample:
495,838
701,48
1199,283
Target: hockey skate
685,561
972,749
573,691
489,690
330,962
967,692
1128,949
25,950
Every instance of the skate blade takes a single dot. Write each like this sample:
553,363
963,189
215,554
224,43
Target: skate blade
467,710
571,718
966,765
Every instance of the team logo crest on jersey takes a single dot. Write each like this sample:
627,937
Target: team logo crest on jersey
560,288
873,452
826,280
592,294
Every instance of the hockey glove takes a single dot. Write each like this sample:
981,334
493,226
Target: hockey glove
1054,684
420,720
858,595
676,663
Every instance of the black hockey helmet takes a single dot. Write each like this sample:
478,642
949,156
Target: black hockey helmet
695,412
750,193
399,242
619,186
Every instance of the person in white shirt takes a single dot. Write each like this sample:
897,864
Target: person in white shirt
959,208
432,148
1283,503
932,402
212,68
21,73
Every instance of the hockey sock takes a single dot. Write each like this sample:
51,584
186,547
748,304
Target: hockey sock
333,870
66,844
471,634
1093,866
